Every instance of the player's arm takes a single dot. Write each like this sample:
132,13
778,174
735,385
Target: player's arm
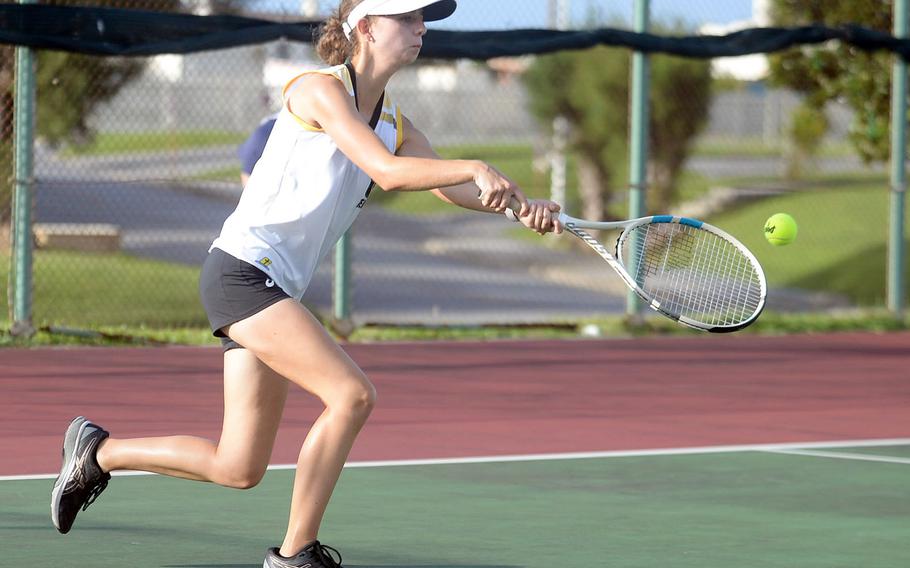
540,215
415,145
324,103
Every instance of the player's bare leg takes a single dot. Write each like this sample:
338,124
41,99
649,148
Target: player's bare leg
254,397
291,341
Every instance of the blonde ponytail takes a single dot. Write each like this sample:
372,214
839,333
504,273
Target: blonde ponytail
332,45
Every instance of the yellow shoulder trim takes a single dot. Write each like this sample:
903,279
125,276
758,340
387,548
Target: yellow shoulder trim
399,129
340,72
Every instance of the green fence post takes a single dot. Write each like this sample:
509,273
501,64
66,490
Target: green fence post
898,167
638,143
341,297
559,19
23,183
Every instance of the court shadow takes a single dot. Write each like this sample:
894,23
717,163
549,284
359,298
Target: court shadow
350,566
431,566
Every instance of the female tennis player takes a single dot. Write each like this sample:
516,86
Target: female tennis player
337,133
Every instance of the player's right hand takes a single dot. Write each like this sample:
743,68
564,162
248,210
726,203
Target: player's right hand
497,190
542,217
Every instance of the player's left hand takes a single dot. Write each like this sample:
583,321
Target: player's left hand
542,216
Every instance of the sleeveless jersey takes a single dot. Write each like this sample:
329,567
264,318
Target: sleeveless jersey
302,195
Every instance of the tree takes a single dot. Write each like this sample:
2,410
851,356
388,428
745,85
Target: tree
585,87
679,107
7,57
840,72
807,129
591,89
70,86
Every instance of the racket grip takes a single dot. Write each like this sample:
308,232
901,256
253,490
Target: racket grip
513,210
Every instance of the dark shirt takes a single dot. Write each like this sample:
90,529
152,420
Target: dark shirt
252,147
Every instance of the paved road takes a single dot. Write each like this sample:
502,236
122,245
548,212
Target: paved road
453,270
186,163
405,270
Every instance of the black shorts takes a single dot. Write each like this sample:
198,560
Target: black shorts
233,290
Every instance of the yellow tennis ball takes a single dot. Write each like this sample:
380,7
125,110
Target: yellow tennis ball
780,229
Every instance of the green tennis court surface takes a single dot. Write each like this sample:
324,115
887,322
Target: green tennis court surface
706,510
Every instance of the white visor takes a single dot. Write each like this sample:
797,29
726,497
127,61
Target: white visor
433,10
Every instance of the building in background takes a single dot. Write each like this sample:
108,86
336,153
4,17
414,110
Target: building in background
746,67
453,102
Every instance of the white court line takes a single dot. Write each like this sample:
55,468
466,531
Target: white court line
566,456
842,456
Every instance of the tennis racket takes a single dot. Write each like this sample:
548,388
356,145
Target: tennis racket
685,269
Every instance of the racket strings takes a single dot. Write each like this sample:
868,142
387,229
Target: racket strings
694,273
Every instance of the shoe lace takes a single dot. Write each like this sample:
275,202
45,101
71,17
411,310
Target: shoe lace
93,488
324,554
95,491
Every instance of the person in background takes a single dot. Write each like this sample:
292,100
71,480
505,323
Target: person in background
251,150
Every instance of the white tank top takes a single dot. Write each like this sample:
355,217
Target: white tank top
302,195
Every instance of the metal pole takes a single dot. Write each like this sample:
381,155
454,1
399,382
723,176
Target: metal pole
341,275
638,143
898,167
558,160
341,298
23,184
559,19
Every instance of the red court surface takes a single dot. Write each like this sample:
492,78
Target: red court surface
447,399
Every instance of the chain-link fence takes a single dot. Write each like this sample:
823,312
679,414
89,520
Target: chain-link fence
136,168
7,69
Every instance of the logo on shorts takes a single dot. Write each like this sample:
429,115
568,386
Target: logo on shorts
269,282
265,261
